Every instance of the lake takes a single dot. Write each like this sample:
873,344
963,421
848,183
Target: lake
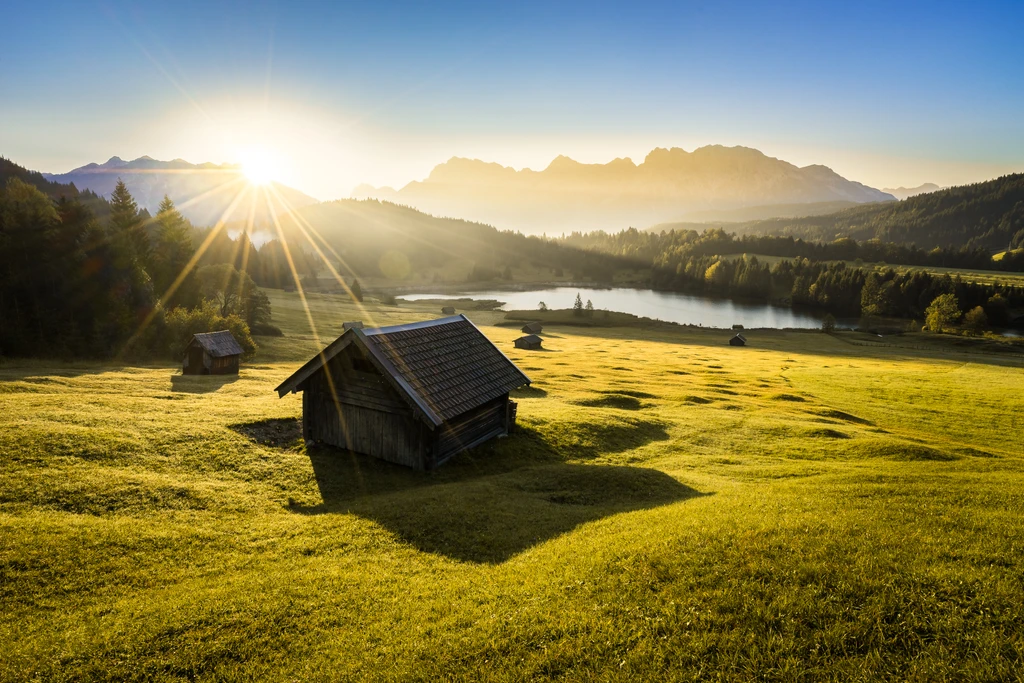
647,303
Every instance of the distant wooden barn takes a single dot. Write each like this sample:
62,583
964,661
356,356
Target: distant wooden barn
529,342
533,328
413,394
448,310
738,340
212,353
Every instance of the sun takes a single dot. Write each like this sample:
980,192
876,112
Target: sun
258,166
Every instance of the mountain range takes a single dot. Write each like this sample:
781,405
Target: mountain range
665,186
204,193
907,192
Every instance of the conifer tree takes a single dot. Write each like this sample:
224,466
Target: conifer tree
172,254
127,228
577,307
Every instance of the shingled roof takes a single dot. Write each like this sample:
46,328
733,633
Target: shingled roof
218,344
444,367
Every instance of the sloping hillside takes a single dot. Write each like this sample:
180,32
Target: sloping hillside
375,237
989,215
54,189
9,169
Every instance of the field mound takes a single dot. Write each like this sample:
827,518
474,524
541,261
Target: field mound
891,449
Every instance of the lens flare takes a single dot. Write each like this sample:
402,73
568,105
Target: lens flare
259,167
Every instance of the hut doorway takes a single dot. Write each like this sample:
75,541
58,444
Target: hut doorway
195,360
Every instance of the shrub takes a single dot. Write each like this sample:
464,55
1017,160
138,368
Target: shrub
975,320
943,313
182,323
828,324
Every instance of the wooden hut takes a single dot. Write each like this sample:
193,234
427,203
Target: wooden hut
533,328
738,340
530,342
211,353
413,394
448,310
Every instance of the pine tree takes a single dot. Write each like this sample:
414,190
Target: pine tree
590,309
577,307
172,254
357,290
127,228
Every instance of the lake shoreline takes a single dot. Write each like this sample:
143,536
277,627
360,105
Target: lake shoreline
697,310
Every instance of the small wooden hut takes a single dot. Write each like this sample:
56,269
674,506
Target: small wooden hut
448,310
533,328
413,394
530,342
212,353
738,340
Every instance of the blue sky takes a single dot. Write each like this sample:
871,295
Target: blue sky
336,95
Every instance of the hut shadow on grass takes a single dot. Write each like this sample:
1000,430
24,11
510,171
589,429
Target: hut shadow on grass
200,384
488,504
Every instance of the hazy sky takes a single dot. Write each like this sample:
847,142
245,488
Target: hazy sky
339,95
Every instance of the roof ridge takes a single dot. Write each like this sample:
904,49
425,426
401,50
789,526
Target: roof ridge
374,331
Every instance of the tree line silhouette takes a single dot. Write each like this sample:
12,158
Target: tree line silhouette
84,277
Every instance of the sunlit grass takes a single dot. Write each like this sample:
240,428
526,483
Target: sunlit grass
672,508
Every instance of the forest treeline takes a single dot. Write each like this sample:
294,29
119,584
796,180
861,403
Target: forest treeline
674,244
80,282
834,287
813,274
988,215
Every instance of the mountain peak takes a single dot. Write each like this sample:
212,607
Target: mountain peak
188,185
669,183
907,192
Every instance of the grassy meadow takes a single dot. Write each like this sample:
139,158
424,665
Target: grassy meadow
670,508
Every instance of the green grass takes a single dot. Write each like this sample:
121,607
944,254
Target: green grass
671,508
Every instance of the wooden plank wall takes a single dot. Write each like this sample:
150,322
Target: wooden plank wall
472,426
363,413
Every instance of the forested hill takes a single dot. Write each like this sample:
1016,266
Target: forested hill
987,215
380,238
52,189
9,169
